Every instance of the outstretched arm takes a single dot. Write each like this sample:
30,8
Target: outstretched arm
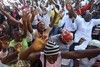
9,17
81,54
25,21
37,46
83,9
14,5
29,25
34,13
52,20
70,9
12,56
9,58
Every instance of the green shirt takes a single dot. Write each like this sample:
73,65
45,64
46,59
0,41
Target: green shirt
24,44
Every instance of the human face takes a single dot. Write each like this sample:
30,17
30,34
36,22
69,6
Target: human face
5,44
41,26
17,35
88,17
44,11
52,58
5,41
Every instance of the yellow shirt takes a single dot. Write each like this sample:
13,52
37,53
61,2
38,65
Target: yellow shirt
57,18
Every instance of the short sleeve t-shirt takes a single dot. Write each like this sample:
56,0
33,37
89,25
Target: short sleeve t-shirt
56,39
57,18
52,14
24,44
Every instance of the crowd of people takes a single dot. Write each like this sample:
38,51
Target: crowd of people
49,33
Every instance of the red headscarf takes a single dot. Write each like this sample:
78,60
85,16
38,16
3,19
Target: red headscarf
66,36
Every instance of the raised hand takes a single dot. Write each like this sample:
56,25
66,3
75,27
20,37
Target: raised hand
4,44
5,41
39,43
34,13
25,16
19,47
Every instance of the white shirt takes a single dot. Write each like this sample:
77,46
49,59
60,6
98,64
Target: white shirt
85,62
97,1
68,23
46,18
83,3
84,30
36,18
6,3
29,37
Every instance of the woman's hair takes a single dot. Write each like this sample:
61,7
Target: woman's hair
39,22
51,48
